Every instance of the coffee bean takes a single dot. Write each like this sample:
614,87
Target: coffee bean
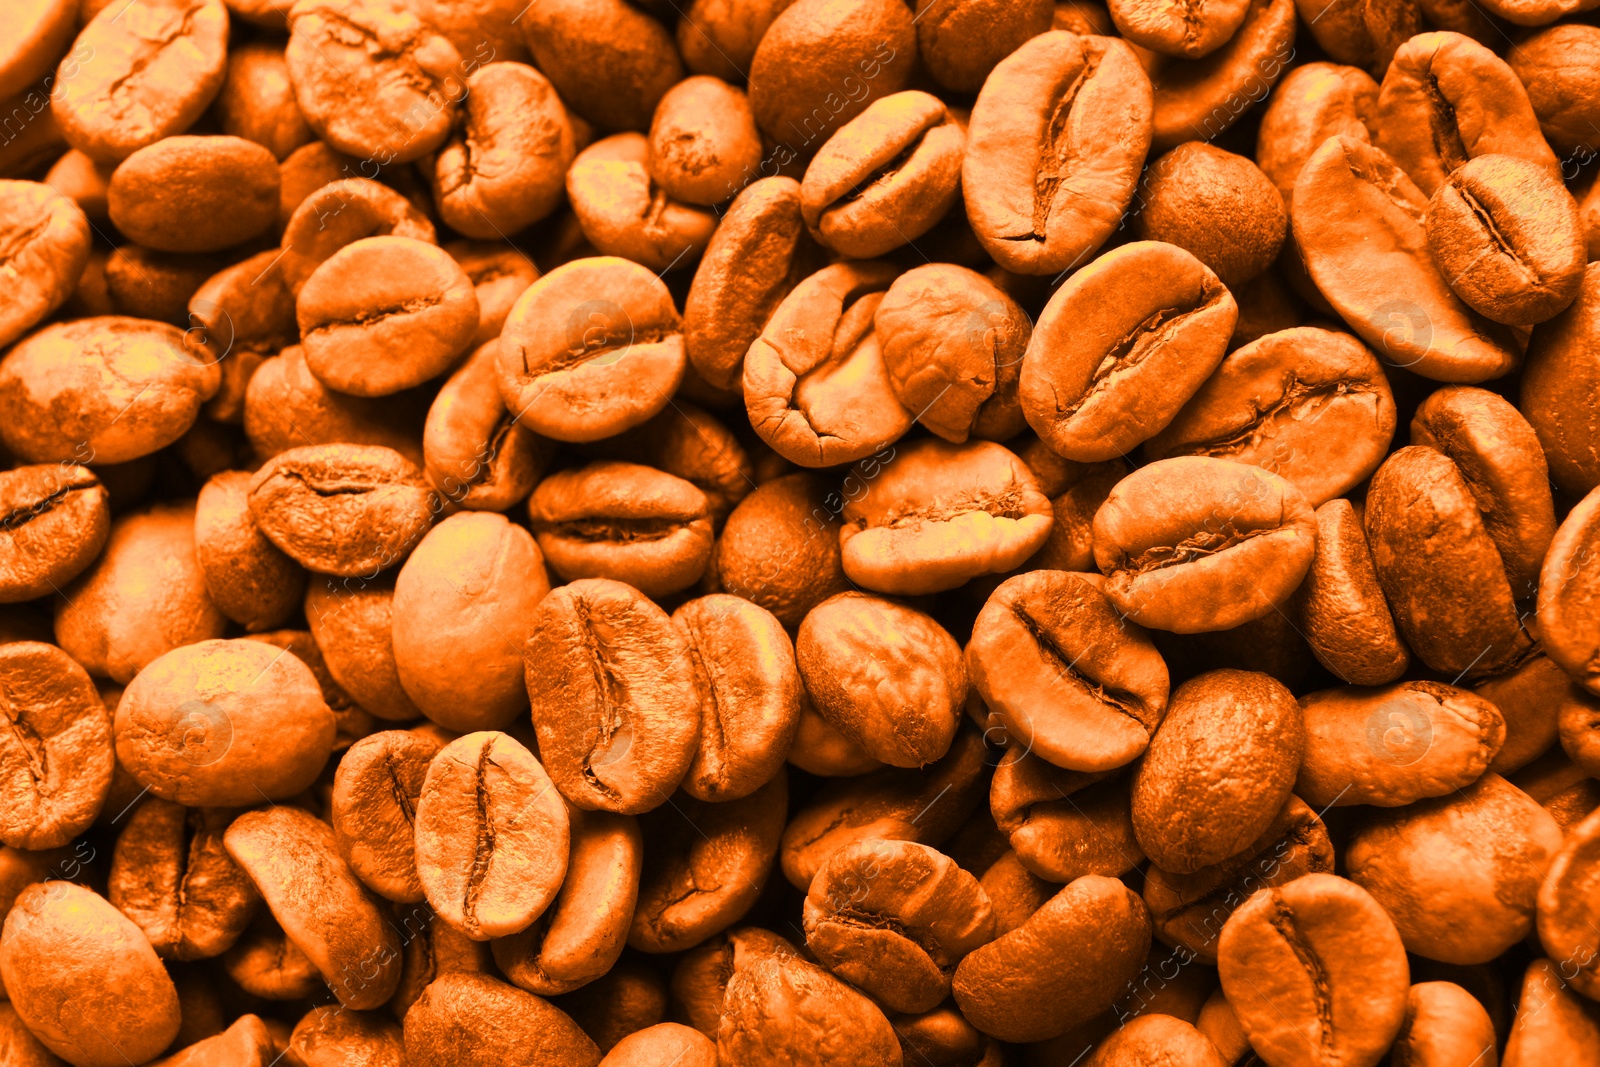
1561,367
249,579
1063,824
610,61
1200,99
47,241
338,211
373,810
1444,1022
623,212
475,1021
491,836
1567,906
58,747
1312,103
781,1009
352,624
1556,1025
229,183
1566,594
56,520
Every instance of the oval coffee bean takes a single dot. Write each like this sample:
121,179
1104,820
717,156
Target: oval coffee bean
1156,1037
293,858
352,624
474,451
57,751
492,836
1062,967
47,241
373,809
1569,592
1063,824
781,1009
1562,371
614,700
1227,543
1066,676
194,194
1103,374
56,520
1315,970
1444,1024
1218,770
473,1020
172,877
1343,613
623,212
249,579
1568,904
1391,746
345,510
703,141
1057,137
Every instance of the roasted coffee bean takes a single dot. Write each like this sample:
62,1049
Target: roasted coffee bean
1535,696
1554,1024
1218,769
1172,31
144,284
781,1009
1067,677
98,949
115,620
1315,970
703,141
373,810
1568,586
1153,1038
941,514
492,836
463,606
57,748
505,168
247,1042
239,318
749,689
228,184
1562,92
100,390
1190,910
1444,1024
815,385
345,510
293,858
1043,190
1228,543
139,72
286,406
1199,99
373,79
57,519
704,866
1095,932
352,624
499,275
1215,205
889,678
820,749
759,252
1312,103
1507,238
329,1036
780,547
885,177
339,211
1446,99
609,61
623,212
1562,370
257,101
1458,873
894,918
265,963
663,1043
581,935
247,577
1391,746
1363,32
578,369
690,443
384,314
476,454
46,241
224,724
1309,404
1104,373
1438,565
1568,904
701,977
1498,455
1063,824
171,876
614,700
476,1021
625,522
953,344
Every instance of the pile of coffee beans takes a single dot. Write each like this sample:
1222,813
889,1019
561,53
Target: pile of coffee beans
800,533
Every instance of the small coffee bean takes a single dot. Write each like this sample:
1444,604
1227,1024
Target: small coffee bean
1564,93
1063,824
1313,102
239,318
56,519
473,1020
327,1036
1315,969
1103,374
1044,190
286,406
96,948
1567,595
46,240
578,369
894,918
257,101
582,934
663,1043
704,866
1554,1023
172,877
346,510
1568,904
780,547
338,211
609,61
247,1042
623,212
1366,34
1309,404
1060,968
1230,543
1391,746
352,623
195,194
373,810
783,1010
1217,206
1199,99
703,141
194,725
1218,770
293,858
492,836
625,522
247,577
58,747
614,701
499,275
959,43
689,443
1444,1024
1534,697
1562,370
1174,31
266,964
1156,1037
1345,617
1458,873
